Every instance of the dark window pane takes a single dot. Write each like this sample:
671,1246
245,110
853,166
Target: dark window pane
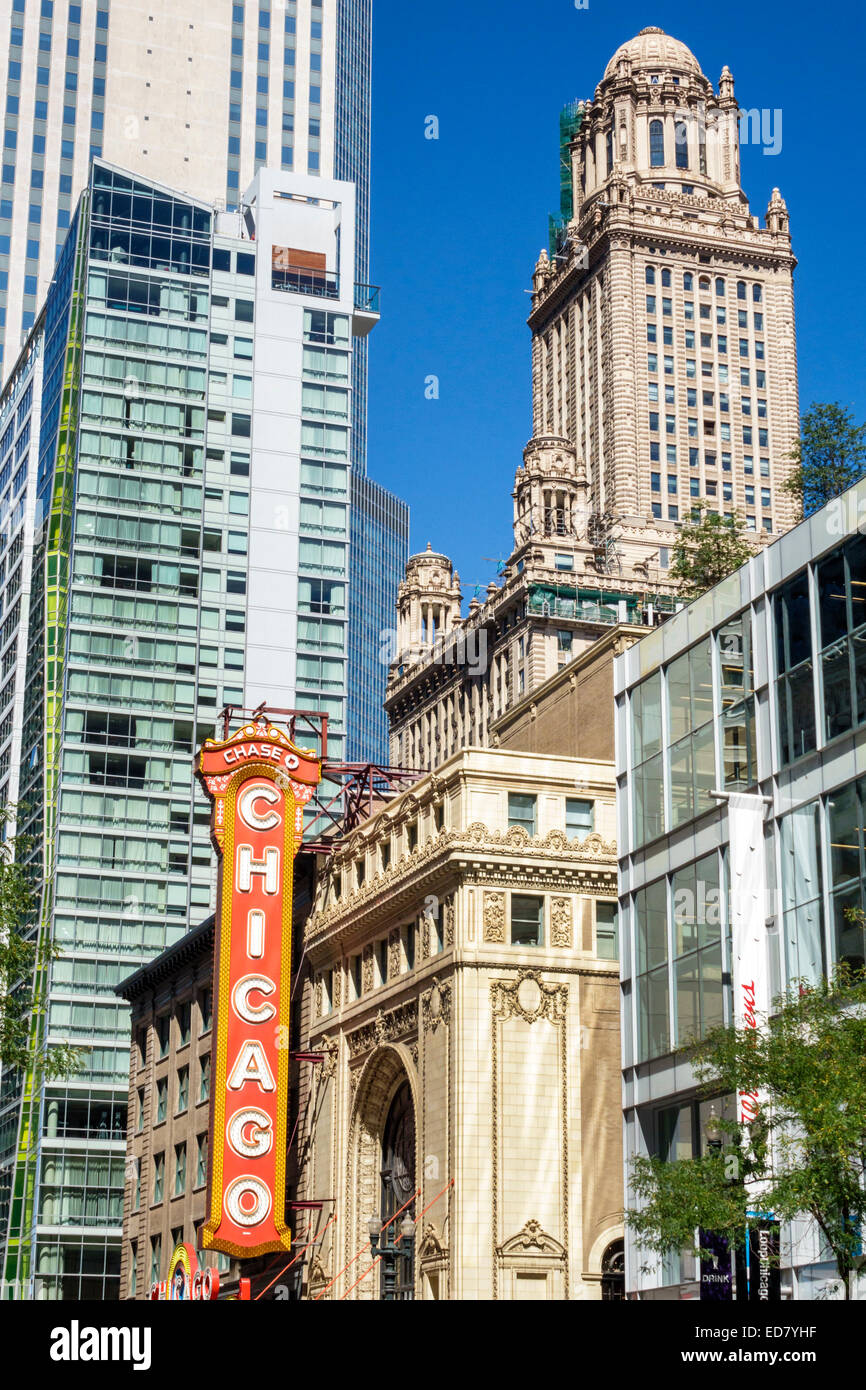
831,600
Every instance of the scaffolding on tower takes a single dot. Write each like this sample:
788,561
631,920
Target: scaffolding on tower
570,119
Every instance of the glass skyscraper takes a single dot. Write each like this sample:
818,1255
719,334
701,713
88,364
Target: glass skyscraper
174,522
197,96
379,551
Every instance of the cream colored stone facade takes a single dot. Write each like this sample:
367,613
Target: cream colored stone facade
663,371
511,1052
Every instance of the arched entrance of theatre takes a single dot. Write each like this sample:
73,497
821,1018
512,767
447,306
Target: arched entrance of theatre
382,1167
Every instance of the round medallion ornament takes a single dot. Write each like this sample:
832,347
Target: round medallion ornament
529,996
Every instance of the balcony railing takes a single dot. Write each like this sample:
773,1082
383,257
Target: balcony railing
299,279
367,298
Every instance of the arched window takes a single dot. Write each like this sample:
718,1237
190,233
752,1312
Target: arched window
609,143
720,287
613,1273
657,144
741,289
688,281
704,284
398,1183
756,294
681,136
650,275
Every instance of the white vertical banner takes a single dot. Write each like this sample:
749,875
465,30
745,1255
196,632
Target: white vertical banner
748,910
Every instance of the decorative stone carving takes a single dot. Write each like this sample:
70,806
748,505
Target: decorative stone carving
494,916
431,1246
532,1239
318,997
337,985
330,1051
367,969
561,921
319,1274
394,953
435,1007
449,921
529,998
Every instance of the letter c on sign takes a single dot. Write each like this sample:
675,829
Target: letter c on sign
257,1206
258,820
244,987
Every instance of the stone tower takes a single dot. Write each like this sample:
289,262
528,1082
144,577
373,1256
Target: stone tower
663,326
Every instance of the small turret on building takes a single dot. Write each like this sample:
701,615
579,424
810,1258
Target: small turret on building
428,604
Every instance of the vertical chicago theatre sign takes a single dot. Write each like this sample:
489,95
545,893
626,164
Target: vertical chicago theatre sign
258,783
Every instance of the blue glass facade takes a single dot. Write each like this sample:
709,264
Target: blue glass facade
379,550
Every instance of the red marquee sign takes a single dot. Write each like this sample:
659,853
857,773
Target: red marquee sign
258,783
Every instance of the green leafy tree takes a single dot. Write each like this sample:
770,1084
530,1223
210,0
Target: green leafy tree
709,547
808,1146
24,963
828,457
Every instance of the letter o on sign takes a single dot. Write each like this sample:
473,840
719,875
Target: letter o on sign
247,1201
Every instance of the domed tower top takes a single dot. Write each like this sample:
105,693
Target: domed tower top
652,49
656,124
428,602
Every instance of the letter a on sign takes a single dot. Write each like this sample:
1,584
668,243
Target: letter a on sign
258,784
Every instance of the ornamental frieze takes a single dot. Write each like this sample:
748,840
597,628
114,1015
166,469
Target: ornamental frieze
386,1027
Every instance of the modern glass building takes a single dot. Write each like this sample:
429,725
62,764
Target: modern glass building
379,551
174,521
198,95
759,687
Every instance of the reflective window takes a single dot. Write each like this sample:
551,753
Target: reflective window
739,754
657,144
796,704
697,967
802,909
690,732
650,907
847,813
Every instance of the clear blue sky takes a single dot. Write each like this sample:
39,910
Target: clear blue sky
458,222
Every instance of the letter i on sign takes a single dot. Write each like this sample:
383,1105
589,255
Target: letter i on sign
258,783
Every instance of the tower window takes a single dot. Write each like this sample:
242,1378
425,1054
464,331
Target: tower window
657,144
681,133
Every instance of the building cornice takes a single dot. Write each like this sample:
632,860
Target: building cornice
477,851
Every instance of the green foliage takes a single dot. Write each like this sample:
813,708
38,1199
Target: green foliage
709,547
24,966
829,456
808,1147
